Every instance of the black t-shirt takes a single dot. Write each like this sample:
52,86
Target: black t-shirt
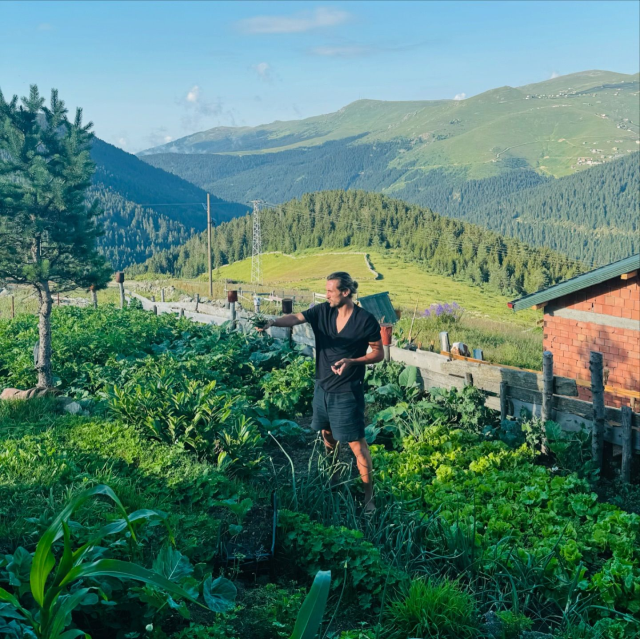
352,341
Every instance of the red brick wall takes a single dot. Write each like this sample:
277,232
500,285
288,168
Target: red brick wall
571,341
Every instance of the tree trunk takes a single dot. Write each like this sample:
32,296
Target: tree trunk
45,377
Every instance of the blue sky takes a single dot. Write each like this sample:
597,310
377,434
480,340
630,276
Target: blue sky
147,72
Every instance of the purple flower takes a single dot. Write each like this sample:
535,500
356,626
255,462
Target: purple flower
427,313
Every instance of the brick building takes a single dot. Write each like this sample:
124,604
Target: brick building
596,311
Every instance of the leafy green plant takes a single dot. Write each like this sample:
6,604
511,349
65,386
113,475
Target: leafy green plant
258,320
241,445
289,390
312,610
46,612
316,547
572,449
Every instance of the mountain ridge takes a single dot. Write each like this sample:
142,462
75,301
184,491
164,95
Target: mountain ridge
377,120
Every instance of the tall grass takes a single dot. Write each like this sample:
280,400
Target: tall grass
501,342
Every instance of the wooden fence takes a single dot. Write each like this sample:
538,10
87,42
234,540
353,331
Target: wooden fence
508,389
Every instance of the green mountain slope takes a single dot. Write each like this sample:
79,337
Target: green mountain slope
542,126
461,158
371,221
145,208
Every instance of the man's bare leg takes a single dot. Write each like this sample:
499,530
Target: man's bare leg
360,449
330,444
331,448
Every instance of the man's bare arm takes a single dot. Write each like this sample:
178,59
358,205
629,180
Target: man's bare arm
376,355
287,321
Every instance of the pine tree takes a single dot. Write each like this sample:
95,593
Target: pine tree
47,232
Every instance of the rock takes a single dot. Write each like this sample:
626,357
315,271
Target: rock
73,408
16,393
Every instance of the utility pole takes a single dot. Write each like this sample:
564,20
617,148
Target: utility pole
209,241
256,271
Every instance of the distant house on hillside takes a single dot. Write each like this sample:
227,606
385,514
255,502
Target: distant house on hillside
595,311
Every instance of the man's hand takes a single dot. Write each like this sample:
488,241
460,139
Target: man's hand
341,366
267,326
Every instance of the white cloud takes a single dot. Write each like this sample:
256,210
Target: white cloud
45,26
193,94
122,143
167,139
554,74
341,52
264,71
300,22
459,96
198,109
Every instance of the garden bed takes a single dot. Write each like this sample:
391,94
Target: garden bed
182,422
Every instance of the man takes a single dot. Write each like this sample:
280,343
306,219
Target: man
343,332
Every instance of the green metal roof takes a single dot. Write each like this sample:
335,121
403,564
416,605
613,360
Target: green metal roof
379,305
597,276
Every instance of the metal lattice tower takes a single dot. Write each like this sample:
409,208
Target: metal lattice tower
256,270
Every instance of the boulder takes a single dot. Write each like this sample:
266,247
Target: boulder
73,408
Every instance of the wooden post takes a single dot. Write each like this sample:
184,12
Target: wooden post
154,309
468,379
547,386
162,295
121,286
627,445
444,342
597,397
58,299
209,245
504,402
181,314
197,301
413,319
153,298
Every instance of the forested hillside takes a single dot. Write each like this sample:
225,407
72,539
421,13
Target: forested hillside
147,209
134,233
592,215
337,219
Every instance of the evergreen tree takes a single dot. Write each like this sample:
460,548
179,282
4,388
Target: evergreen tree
47,232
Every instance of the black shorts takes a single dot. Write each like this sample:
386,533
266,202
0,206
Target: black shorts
341,413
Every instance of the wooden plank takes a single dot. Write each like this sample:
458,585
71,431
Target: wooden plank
619,392
537,307
627,445
524,378
597,394
628,276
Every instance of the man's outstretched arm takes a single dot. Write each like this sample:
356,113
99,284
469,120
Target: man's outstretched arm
287,321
